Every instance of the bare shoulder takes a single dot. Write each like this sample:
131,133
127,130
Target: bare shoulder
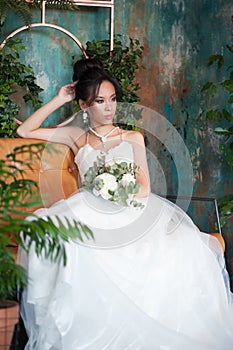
72,136
133,136
69,130
73,131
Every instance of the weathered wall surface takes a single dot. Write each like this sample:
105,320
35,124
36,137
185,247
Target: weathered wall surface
178,37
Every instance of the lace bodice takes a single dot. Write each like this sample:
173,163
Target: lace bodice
87,155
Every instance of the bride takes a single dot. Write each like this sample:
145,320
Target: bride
150,279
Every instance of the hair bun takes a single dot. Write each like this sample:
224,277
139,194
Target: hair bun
83,65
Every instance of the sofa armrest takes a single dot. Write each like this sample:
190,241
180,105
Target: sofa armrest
54,170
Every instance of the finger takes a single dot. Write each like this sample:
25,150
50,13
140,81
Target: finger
70,88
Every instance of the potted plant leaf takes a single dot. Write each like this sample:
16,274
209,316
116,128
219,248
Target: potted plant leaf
44,236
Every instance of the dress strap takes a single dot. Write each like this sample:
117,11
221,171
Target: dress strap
87,137
121,134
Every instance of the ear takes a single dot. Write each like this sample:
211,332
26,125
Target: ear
82,104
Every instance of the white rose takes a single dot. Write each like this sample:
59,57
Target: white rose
127,178
109,184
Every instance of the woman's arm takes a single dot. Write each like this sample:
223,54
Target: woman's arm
31,127
143,178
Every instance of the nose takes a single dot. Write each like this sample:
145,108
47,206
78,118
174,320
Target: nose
108,106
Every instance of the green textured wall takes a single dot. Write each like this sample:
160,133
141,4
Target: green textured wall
178,37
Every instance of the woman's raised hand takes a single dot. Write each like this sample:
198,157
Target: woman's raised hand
31,127
67,92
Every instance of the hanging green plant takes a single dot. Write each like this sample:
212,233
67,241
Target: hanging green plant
221,114
14,74
23,8
123,63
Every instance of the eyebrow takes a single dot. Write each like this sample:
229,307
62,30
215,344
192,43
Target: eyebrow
103,96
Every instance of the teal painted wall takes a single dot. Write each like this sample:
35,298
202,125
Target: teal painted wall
178,37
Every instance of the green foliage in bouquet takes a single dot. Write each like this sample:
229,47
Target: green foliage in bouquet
113,181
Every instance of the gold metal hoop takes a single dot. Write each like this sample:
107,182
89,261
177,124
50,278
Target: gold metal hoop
61,29
106,3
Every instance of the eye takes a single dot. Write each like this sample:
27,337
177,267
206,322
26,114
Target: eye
113,99
99,100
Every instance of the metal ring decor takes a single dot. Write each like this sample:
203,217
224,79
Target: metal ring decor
43,23
65,31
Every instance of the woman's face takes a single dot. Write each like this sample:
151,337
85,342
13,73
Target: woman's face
103,108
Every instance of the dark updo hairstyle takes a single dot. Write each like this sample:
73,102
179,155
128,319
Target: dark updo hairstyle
90,74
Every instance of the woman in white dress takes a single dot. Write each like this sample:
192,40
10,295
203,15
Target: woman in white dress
150,279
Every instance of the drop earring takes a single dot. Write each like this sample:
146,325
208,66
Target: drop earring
85,117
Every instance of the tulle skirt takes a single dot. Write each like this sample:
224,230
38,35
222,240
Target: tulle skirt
149,280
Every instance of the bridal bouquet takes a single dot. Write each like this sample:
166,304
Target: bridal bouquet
113,181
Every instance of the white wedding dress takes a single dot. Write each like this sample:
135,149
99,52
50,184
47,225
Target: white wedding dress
149,281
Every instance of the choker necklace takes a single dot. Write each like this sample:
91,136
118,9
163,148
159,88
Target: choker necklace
103,138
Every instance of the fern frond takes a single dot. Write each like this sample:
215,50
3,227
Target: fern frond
56,4
49,235
21,8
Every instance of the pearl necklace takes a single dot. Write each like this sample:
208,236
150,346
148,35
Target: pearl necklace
103,138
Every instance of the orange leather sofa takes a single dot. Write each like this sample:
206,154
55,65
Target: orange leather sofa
54,171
